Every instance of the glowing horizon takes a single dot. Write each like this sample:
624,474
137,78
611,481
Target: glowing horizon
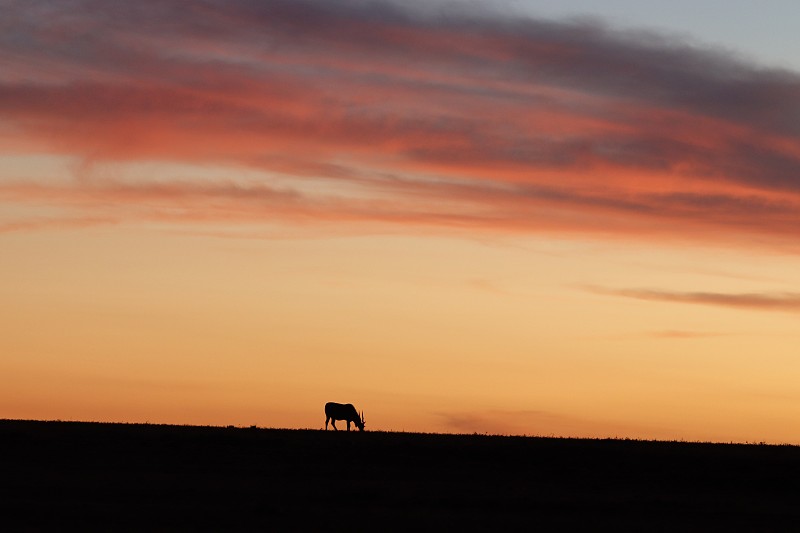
231,213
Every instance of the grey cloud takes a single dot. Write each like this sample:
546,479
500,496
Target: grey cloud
767,301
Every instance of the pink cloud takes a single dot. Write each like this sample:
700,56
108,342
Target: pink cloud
465,121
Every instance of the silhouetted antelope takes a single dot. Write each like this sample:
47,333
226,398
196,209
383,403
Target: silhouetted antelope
343,411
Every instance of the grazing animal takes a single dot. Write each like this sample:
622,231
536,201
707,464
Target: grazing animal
343,411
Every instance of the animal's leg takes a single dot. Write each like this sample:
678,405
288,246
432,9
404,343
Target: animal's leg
326,422
348,425
333,423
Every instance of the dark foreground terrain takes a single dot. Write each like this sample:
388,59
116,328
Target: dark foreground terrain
87,476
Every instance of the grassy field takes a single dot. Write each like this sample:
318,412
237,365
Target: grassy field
59,475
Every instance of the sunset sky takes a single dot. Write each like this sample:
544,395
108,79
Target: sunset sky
521,217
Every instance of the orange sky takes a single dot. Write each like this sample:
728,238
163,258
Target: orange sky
233,213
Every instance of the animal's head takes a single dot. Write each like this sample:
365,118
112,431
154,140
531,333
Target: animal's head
361,423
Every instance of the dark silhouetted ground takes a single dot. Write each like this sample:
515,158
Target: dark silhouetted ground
67,475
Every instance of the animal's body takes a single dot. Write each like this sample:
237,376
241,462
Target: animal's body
343,411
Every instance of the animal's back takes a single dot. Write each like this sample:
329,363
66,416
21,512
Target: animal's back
333,408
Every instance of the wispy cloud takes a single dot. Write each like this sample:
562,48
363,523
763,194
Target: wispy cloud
48,223
414,118
682,334
767,301
534,422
